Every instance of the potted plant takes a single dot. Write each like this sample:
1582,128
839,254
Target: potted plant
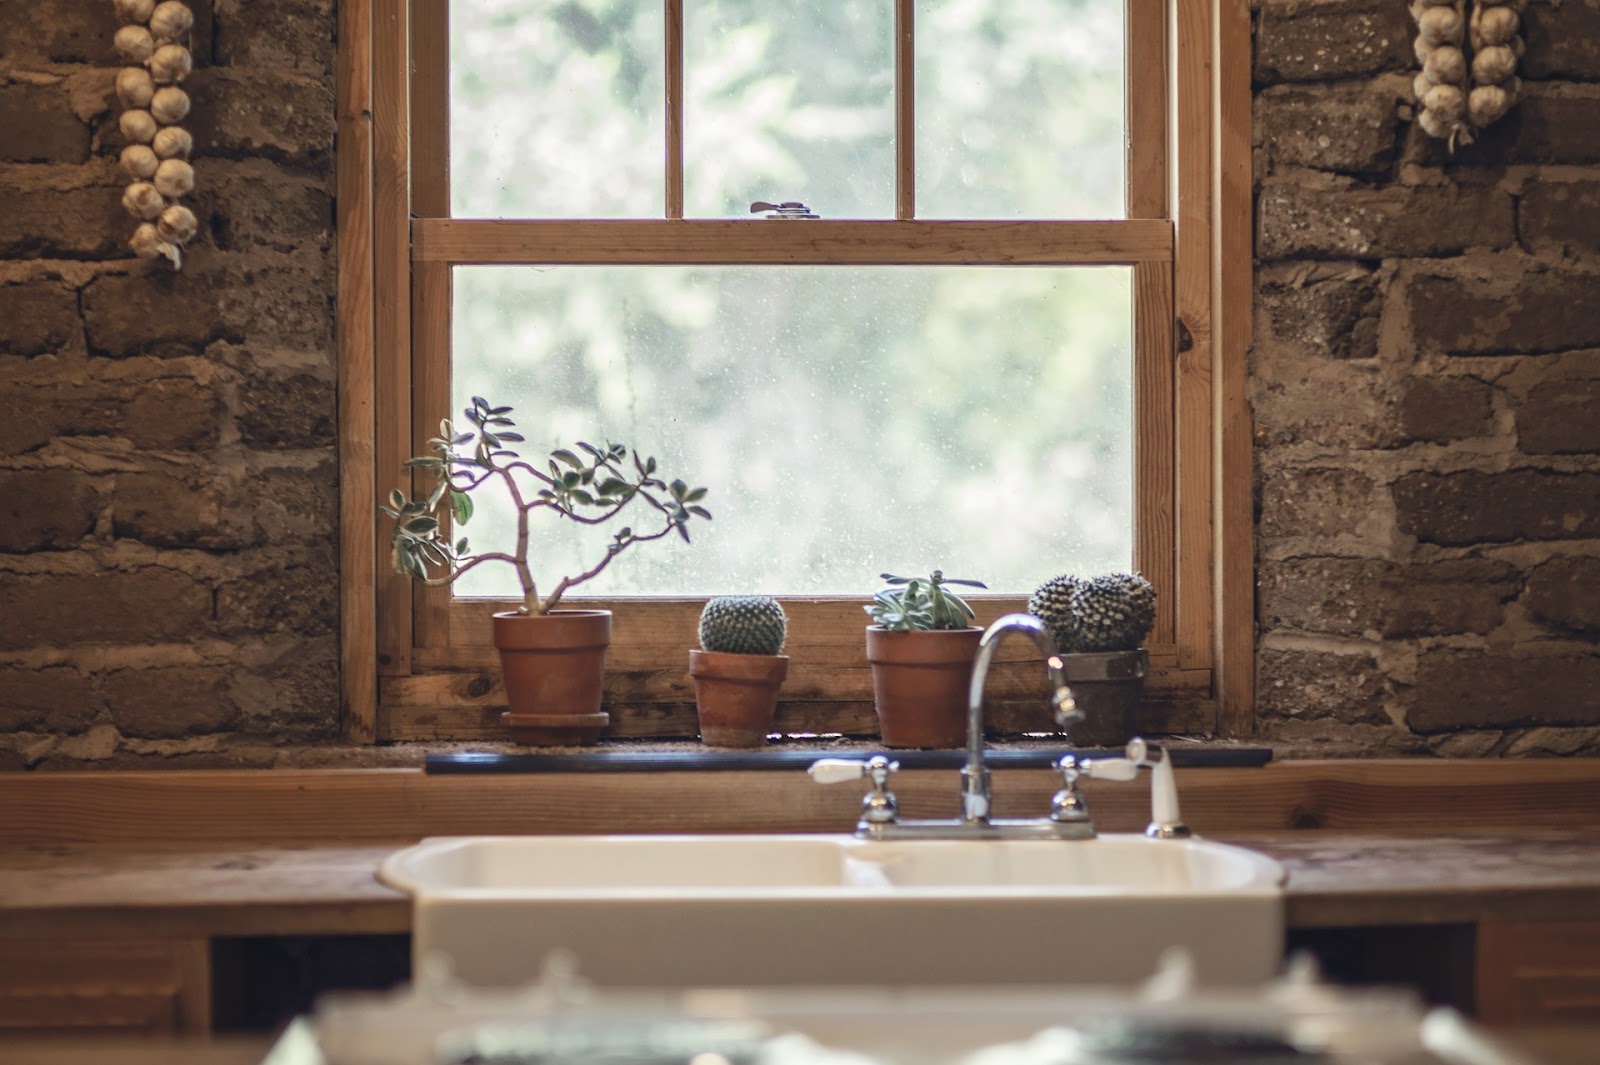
922,646
739,669
1098,624
553,660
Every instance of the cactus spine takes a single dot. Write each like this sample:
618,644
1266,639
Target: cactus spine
1110,613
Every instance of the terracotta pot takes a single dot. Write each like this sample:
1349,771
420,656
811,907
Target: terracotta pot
554,666
1108,687
736,696
919,684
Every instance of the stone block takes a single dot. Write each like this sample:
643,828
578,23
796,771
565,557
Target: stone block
295,699
1362,597
258,203
1336,316
1564,594
1442,409
267,113
86,223
1297,221
1552,124
169,703
293,34
298,506
118,607
1458,509
1465,689
157,311
58,699
1319,503
1561,216
1542,312
43,509
38,125
164,509
293,411
172,414
1306,685
1343,128
1560,417
58,31
302,599
1319,40
37,318
1563,41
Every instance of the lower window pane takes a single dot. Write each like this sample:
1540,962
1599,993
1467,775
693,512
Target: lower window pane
847,420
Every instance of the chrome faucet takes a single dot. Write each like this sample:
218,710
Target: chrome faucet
879,812
975,792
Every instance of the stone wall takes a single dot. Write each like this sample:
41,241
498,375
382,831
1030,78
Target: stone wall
1426,385
168,488
1426,381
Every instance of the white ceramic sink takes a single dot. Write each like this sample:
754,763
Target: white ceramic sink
680,911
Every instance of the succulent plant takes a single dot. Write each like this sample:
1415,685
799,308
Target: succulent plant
590,489
916,604
1110,613
743,625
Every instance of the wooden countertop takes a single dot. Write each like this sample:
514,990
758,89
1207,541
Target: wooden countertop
1335,879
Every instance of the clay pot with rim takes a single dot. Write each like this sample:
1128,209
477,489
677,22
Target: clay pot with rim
736,696
554,667
920,682
1108,687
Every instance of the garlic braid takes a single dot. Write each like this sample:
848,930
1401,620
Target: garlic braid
154,40
1496,47
1441,87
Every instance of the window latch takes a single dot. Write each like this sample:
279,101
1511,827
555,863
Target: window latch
790,209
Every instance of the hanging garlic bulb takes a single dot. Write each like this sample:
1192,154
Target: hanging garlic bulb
177,224
138,127
170,20
135,10
174,179
142,200
146,242
170,63
173,142
139,162
169,105
134,43
1441,86
1496,49
134,87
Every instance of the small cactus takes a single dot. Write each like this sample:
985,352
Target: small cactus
1110,613
743,625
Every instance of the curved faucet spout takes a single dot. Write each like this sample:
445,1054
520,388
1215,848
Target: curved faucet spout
975,776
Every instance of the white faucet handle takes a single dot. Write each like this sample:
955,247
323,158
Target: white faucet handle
837,770
1110,768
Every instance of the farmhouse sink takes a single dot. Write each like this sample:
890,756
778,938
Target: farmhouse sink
684,911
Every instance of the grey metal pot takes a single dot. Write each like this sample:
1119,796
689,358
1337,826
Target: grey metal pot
1109,688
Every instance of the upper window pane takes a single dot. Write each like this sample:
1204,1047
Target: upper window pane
786,101
1020,109
847,420
556,109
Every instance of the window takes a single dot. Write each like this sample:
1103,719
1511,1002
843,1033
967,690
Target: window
575,175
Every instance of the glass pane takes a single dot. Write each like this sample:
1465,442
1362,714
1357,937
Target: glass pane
1020,109
556,109
848,421
786,101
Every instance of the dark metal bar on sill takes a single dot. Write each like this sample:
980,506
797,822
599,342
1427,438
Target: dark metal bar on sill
603,761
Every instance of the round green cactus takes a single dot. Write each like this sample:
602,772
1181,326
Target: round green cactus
1110,613
743,625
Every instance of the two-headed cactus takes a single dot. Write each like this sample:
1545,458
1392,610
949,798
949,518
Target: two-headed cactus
743,625
1110,613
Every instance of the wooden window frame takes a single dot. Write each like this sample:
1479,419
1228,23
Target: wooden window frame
418,665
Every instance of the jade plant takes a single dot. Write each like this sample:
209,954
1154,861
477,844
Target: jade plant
590,488
1114,612
918,604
